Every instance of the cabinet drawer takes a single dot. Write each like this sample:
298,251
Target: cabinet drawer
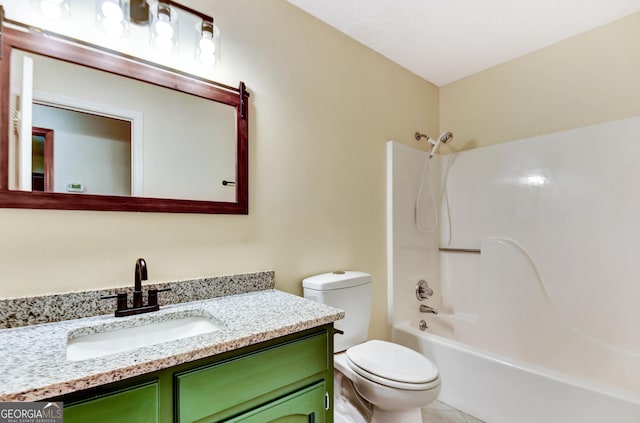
138,404
209,390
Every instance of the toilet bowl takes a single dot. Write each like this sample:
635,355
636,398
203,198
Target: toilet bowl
396,381
375,381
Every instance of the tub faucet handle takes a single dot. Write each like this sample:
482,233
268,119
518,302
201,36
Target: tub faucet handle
423,292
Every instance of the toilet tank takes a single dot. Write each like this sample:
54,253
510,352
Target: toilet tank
349,291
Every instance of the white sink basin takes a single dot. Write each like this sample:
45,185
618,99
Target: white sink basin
113,341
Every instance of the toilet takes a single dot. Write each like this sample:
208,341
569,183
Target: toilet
374,381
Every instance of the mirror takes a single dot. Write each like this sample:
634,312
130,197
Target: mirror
99,131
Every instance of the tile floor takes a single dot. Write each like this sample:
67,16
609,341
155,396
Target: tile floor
439,412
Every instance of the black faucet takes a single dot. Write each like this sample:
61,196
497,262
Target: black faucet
139,275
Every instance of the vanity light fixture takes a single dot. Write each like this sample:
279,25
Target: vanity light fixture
162,17
117,19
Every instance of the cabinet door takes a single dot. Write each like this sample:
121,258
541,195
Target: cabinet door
304,406
139,404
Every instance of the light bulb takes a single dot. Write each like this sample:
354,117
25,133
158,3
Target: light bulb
110,18
111,11
163,28
206,45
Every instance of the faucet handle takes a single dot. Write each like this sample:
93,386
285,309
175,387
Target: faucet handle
122,300
423,291
153,295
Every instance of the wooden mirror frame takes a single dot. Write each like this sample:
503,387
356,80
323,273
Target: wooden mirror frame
114,63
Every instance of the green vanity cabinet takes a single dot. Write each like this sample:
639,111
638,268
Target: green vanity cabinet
288,379
135,404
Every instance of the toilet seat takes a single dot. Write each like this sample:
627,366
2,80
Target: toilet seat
393,365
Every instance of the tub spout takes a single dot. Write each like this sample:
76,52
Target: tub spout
426,309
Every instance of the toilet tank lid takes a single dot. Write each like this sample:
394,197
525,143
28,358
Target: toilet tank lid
336,280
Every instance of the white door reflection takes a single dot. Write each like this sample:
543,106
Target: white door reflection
92,154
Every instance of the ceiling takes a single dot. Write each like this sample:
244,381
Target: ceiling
446,40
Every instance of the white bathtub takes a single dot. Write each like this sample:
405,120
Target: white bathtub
499,389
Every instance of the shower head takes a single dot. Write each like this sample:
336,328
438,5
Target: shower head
446,137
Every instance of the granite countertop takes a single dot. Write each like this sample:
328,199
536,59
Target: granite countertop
34,365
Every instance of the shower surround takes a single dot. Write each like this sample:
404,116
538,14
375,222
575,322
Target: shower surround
542,324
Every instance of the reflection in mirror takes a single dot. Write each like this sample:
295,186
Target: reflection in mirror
91,153
185,143
82,137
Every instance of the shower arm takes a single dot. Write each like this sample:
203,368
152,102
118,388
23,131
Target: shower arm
419,136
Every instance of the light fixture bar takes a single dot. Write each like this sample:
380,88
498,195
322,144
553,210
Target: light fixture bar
188,10
139,11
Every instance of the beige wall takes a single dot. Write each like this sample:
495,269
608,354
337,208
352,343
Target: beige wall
322,108
591,78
